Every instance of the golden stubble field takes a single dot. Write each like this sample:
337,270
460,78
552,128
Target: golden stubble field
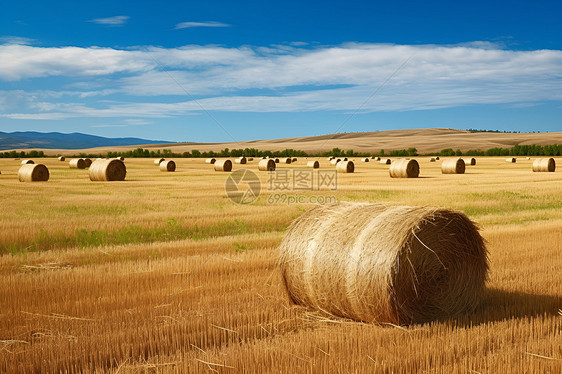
163,273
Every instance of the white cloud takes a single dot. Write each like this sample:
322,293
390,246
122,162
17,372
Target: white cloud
185,25
15,40
111,21
278,78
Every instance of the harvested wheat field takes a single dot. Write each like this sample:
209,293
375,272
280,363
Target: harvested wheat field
162,273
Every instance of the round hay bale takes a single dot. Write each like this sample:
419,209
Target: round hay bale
276,160
108,170
266,165
335,161
77,163
345,167
395,264
437,157
453,166
511,159
331,158
366,159
33,173
62,158
249,159
120,158
223,165
285,160
241,160
432,159
88,162
470,161
544,165
168,165
385,161
27,162
345,159
313,164
158,161
527,158
210,160
294,159
404,169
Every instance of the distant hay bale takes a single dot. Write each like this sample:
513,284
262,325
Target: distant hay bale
527,158
544,165
241,160
294,159
27,162
33,173
331,158
167,165
377,158
120,158
88,162
276,160
345,167
432,159
437,157
266,165
158,161
366,159
404,169
511,159
62,158
395,264
344,159
210,160
77,163
335,161
249,158
313,164
106,170
385,161
469,161
285,160
453,166
223,165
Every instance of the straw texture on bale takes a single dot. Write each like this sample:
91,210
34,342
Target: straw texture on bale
266,165
223,165
241,160
27,162
62,158
77,163
168,166
313,164
33,173
453,166
88,162
366,159
395,264
470,161
544,165
210,160
404,169
158,161
345,167
511,159
385,161
108,170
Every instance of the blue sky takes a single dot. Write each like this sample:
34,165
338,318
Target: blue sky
223,70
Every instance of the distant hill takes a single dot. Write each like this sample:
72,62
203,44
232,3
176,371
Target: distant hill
57,140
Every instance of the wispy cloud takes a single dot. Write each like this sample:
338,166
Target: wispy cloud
185,25
15,40
111,21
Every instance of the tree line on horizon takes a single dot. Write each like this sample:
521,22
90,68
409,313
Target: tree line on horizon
517,150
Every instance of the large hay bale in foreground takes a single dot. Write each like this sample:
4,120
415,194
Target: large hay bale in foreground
33,173
241,160
469,161
62,158
266,165
511,159
404,169
158,161
544,165
345,167
453,166
210,160
27,162
168,165
313,164
88,162
385,264
223,165
77,163
108,170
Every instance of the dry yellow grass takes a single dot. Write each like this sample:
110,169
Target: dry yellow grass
162,273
